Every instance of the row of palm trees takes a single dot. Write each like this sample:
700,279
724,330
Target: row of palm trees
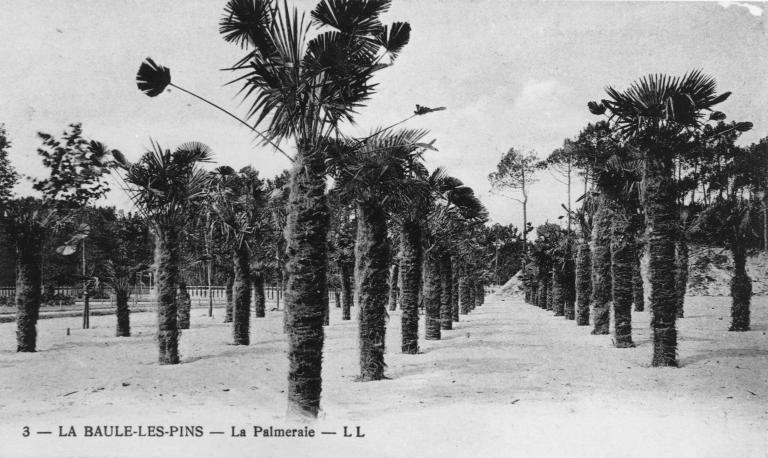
302,89
661,171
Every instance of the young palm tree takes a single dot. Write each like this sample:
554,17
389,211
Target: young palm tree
730,221
368,174
163,185
238,201
660,113
450,217
27,221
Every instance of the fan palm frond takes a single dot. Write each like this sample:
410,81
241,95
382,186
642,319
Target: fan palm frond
152,78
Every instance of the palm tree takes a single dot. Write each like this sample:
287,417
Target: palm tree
454,211
584,263
730,221
163,185
660,113
27,221
602,283
368,174
306,88
238,201
618,181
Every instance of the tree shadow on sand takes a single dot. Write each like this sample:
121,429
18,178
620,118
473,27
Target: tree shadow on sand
724,353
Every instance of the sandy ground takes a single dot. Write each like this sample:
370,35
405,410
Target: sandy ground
510,380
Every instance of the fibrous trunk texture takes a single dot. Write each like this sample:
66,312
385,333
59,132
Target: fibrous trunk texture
306,288
601,269
259,295
681,274
446,289
167,260
583,283
28,290
454,289
228,294
184,304
479,294
472,287
558,298
638,291
371,256
241,292
123,328
543,292
346,290
741,290
410,268
569,286
662,216
432,294
622,266
394,288
463,294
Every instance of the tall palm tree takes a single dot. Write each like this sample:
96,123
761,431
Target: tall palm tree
584,262
306,88
368,174
602,282
164,185
660,114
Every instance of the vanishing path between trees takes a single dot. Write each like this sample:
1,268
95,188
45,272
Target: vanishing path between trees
509,380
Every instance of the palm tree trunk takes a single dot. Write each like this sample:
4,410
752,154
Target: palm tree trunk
569,286
167,260
446,290
662,217
432,294
306,293
741,289
551,291
464,295
454,289
394,276
681,274
558,289
346,290
622,266
123,313
337,298
260,297
480,294
241,292
541,300
583,283
371,256
410,271
28,290
601,268
184,304
638,291
471,286
229,294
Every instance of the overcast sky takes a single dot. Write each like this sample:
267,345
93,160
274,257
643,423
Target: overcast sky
511,74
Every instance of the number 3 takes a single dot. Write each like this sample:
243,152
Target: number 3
26,431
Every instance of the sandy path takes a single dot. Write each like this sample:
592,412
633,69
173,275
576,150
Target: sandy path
510,380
